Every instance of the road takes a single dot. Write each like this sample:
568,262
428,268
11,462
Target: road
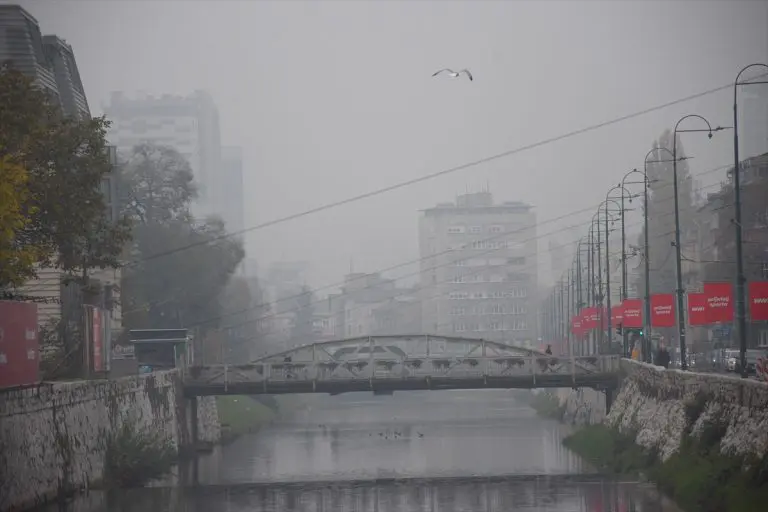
439,451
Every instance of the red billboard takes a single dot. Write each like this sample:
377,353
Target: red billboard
697,309
576,327
633,313
617,315
19,354
719,302
663,310
590,318
758,301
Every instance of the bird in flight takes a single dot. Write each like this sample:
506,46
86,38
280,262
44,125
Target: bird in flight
454,74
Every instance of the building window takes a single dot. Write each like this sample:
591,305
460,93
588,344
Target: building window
496,309
459,327
763,338
455,230
458,311
458,279
495,326
478,295
460,263
496,229
519,260
476,229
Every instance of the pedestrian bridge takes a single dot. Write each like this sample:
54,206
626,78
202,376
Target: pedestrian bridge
385,364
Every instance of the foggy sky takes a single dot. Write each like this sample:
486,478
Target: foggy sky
334,99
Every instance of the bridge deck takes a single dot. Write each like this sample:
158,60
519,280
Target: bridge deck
393,375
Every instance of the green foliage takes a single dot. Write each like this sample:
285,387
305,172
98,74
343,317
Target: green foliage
136,455
698,476
182,266
66,160
546,405
16,260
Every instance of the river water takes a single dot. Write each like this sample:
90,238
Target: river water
446,451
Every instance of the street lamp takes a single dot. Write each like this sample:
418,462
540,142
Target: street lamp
741,317
604,204
623,291
678,254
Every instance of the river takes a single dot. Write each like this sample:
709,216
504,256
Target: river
447,451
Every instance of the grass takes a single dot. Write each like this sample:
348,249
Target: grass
546,405
240,415
698,477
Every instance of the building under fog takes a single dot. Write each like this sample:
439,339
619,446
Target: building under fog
479,269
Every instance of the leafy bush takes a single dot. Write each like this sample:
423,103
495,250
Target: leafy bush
136,455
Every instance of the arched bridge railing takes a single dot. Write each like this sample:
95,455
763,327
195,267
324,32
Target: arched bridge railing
401,362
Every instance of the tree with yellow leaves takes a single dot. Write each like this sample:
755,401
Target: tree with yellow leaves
17,258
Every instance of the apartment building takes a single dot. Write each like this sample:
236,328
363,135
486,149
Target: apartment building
479,269
189,124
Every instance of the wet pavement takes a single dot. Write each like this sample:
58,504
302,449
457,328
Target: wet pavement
448,451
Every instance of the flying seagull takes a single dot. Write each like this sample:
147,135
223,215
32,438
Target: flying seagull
455,74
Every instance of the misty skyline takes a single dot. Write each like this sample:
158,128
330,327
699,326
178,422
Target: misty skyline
333,99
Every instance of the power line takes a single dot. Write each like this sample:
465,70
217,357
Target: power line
437,174
394,267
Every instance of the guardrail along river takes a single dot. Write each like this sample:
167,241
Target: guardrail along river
436,451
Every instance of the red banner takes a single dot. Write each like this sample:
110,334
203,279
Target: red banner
617,315
719,302
590,318
576,327
19,355
758,301
633,313
663,310
697,309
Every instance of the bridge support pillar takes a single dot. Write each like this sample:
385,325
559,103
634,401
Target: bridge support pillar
193,421
609,395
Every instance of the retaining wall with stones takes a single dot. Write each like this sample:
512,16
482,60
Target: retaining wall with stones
658,407
53,437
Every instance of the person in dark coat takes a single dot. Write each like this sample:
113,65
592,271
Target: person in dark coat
662,356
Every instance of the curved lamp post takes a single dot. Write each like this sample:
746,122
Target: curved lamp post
741,317
604,205
623,290
678,256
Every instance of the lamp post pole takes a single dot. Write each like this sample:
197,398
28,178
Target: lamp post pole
623,293
607,311
678,254
741,314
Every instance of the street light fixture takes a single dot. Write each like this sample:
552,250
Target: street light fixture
741,317
678,254
604,204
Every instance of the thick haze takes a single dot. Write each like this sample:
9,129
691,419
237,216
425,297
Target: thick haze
334,99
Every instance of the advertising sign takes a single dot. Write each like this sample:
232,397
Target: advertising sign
576,327
697,309
719,302
19,350
617,315
758,301
633,313
663,310
590,318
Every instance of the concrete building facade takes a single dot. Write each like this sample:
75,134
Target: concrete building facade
479,269
188,124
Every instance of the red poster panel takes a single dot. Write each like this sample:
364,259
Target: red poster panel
758,301
719,302
663,310
98,342
590,318
19,355
576,327
633,313
697,309
617,315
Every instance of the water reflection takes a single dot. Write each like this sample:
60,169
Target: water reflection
537,494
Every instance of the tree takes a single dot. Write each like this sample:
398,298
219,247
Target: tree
181,266
301,332
65,159
17,260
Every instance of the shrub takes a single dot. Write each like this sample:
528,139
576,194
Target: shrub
136,455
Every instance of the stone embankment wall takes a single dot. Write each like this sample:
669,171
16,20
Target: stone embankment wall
658,407
583,406
53,437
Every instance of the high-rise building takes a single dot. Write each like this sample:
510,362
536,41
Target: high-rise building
188,124
479,269
228,199
21,45
70,87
